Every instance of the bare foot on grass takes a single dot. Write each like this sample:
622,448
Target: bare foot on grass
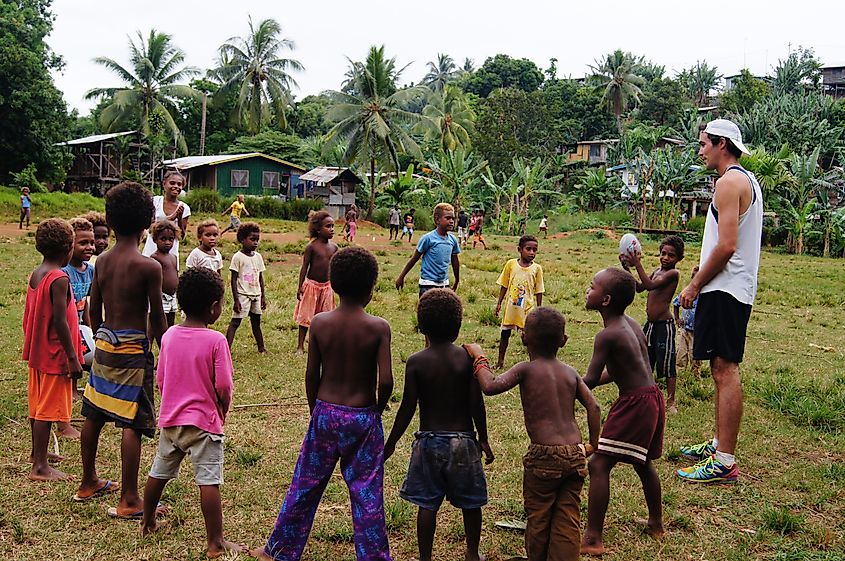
157,525
48,473
300,352
66,430
218,550
259,553
592,546
673,409
52,458
656,531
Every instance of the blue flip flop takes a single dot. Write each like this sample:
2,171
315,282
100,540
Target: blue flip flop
108,487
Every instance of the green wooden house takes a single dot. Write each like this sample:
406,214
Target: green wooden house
239,174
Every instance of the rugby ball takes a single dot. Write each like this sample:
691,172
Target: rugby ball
87,337
630,244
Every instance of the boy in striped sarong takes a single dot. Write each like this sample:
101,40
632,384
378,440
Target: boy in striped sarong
120,388
633,431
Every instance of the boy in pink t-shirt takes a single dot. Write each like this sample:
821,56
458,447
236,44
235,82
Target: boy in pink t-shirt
195,378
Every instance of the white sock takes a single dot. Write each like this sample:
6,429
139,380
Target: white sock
725,458
715,442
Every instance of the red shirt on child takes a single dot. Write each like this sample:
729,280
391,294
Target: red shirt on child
41,345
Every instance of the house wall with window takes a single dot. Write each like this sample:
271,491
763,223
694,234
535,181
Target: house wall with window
256,176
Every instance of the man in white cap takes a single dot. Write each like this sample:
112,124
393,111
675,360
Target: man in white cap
726,284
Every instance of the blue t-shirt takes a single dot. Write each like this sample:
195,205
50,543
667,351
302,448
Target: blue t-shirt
687,316
25,201
80,284
437,252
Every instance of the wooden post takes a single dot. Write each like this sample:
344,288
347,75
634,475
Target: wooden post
202,125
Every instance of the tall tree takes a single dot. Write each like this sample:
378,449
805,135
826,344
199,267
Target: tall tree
502,71
746,91
32,111
440,72
254,67
370,120
700,79
151,88
450,119
615,75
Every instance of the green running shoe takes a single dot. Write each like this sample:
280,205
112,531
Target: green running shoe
698,452
709,470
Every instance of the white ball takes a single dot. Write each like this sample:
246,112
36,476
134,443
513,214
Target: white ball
630,244
87,346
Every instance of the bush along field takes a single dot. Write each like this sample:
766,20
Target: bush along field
788,505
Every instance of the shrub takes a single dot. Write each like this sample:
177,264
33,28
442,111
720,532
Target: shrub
203,200
26,178
381,216
696,224
207,200
299,208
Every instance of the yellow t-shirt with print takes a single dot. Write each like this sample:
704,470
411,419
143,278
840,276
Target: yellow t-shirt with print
237,208
522,283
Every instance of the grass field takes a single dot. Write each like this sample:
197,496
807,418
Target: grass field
789,504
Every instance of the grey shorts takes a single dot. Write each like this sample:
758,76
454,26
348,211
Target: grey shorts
249,305
204,448
234,222
168,302
445,465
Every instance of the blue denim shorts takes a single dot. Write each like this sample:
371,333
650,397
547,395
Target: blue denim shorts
445,465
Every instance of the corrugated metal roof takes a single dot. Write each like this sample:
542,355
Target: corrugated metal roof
189,162
94,138
322,174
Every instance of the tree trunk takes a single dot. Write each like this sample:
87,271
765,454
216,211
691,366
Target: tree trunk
371,205
826,252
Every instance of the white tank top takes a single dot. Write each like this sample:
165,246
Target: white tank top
739,277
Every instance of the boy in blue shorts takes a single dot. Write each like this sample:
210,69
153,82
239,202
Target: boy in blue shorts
436,249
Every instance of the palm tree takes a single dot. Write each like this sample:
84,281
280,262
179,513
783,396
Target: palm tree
440,73
457,173
254,67
703,79
616,76
450,119
151,87
370,119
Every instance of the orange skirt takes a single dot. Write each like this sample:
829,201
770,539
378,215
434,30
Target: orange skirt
316,297
49,396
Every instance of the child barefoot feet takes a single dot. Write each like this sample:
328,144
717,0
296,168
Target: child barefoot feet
592,545
655,530
220,549
259,553
47,473
66,430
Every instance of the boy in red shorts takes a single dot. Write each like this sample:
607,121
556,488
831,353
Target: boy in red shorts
633,431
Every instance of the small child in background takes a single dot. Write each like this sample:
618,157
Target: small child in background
544,226
437,249
314,294
195,378
247,268
479,230
164,234
206,255
408,221
234,211
446,455
102,232
555,464
686,329
463,223
26,208
349,380
633,430
51,343
522,282
660,326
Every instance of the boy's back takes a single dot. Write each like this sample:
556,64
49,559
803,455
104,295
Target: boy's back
125,283
443,378
548,391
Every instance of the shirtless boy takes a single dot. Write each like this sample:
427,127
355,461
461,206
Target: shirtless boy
164,234
446,457
120,387
660,325
633,430
555,464
348,381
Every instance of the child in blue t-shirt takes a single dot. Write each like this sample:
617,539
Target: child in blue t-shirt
685,320
436,249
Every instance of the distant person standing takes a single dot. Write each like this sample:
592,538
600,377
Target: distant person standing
408,228
393,222
684,220
351,223
26,207
725,285
463,222
169,207
544,226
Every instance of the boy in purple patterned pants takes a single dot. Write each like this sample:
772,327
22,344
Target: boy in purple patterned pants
344,367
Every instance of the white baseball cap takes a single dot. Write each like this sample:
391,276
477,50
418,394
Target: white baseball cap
729,130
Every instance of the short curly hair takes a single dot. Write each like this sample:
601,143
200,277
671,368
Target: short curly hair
622,287
161,226
198,289
439,314
96,219
245,229
441,208
54,238
129,208
525,239
208,223
315,222
545,327
81,224
676,242
353,272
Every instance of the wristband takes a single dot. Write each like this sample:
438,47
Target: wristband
479,363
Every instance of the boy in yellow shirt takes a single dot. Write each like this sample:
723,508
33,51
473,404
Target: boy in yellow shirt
234,211
522,282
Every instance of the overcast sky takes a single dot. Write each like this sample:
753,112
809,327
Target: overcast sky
731,35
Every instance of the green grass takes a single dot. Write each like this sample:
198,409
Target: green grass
46,205
789,503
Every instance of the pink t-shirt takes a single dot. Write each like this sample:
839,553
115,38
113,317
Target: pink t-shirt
195,378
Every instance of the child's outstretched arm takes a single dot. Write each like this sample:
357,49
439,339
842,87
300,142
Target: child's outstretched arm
588,400
59,294
303,270
385,368
400,280
490,384
406,410
479,418
596,374
228,210
646,282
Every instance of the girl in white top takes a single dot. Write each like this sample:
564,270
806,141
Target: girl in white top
169,207
206,255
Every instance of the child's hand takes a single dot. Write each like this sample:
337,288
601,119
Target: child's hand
633,258
488,452
498,309
400,282
623,260
74,369
588,450
474,350
300,292
263,302
236,306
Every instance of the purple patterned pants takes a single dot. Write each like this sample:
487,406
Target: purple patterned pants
355,437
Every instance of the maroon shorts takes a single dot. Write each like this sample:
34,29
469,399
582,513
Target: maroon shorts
633,431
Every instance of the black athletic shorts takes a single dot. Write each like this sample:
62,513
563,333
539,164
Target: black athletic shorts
660,336
721,322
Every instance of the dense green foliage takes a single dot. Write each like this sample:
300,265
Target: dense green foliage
208,201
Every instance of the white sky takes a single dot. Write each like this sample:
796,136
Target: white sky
731,35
